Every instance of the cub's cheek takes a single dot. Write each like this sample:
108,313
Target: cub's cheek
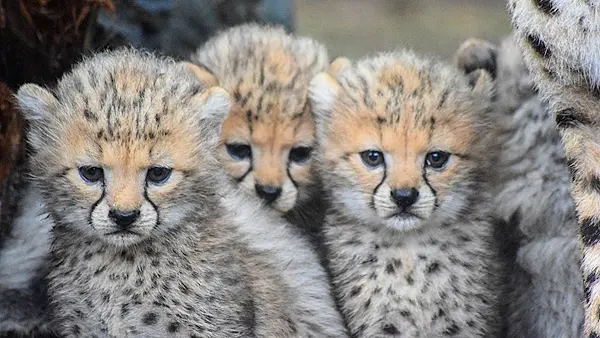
368,179
158,193
301,174
90,193
442,182
235,168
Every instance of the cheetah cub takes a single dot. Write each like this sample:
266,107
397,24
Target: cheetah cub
404,156
265,143
123,158
268,137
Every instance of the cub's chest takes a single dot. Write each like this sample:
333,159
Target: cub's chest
394,274
148,295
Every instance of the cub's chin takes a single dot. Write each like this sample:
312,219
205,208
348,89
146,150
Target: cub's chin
403,222
123,238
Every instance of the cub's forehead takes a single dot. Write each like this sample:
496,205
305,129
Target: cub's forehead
257,56
400,101
402,84
126,92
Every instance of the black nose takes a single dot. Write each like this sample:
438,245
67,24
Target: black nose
267,192
405,197
123,218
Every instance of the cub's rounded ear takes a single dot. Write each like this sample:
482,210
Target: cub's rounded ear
37,106
214,106
477,54
35,102
482,83
202,73
322,94
338,65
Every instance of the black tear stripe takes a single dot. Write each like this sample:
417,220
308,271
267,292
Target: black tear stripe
152,204
424,174
379,185
241,178
589,231
569,117
287,170
94,205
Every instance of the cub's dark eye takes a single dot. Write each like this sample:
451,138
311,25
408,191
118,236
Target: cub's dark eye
372,158
91,174
158,175
300,154
239,151
436,159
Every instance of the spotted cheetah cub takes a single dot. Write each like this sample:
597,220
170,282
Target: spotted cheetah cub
265,146
403,156
268,137
123,157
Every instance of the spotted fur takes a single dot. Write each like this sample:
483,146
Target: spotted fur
267,71
560,43
532,188
180,269
427,267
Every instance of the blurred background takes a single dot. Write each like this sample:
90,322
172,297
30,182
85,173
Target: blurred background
357,27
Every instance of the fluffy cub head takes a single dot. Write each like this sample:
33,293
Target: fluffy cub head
402,139
268,137
123,146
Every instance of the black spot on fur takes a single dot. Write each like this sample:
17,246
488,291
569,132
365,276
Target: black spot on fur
590,232
124,310
184,288
355,291
539,46
433,267
594,183
89,115
291,324
593,335
590,280
390,329
572,166
452,330
546,6
76,330
568,118
390,268
173,327
150,318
